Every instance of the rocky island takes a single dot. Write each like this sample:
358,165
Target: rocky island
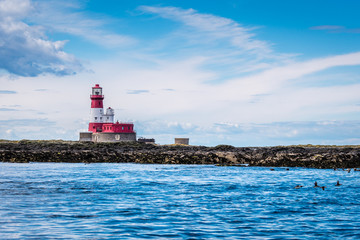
222,155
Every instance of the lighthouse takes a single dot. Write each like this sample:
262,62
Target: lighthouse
101,125
96,111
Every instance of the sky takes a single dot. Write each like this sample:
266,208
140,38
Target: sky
238,72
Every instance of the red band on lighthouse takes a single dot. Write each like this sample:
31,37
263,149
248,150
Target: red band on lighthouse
96,103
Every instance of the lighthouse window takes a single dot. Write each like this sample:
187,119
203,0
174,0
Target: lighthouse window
95,118
100,118
96,92
122,128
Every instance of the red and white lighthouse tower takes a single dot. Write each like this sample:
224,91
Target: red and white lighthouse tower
104,123
96,112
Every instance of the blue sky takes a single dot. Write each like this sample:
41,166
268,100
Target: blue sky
245,73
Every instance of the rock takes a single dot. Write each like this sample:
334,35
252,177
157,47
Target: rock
221,155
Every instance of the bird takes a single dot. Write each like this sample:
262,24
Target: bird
323,187
298,186
271,169
315,184
349,170
338,183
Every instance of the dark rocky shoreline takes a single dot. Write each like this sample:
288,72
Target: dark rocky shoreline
223,155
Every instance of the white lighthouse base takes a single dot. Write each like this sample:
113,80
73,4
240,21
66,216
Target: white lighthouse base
113,137
107,137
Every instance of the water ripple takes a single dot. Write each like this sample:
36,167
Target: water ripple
135,201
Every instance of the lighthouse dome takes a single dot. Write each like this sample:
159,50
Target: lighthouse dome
109,111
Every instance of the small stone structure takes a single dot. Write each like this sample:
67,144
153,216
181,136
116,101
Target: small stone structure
183,141
146,140
85,137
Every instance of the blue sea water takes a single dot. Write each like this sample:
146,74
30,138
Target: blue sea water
139,201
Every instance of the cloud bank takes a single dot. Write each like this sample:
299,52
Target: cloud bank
228,46
60,16
214,26
25,49
251,134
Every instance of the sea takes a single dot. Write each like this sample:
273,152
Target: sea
149,201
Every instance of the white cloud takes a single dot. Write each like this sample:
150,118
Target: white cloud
327,27
14,8
24,49
215,26
264,97
272,79
336,29
228,46
68,17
